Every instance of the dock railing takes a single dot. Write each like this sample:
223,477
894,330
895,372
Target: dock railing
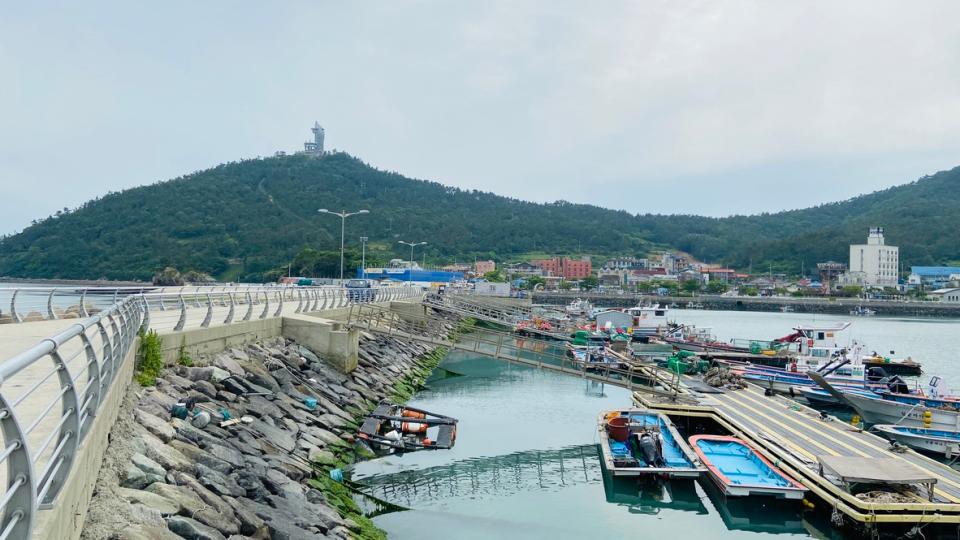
51,392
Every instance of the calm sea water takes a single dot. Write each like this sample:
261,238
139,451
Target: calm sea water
525,463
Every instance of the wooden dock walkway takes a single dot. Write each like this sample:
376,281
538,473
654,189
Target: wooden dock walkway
794,436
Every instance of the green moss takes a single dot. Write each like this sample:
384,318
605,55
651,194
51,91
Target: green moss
338,495
149,360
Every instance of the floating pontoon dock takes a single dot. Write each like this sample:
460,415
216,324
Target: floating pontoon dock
795,437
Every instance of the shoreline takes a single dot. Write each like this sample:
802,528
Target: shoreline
835,306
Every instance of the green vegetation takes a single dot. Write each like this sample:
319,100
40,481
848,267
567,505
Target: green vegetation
257,219
183,358
149,360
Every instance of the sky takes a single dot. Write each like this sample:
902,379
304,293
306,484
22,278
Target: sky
715,107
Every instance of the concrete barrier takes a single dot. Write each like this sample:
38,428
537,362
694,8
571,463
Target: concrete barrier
336,344
197,341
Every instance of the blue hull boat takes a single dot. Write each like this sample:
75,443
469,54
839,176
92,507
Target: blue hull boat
740,471
936,441
638,442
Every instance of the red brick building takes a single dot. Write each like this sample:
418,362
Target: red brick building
566,267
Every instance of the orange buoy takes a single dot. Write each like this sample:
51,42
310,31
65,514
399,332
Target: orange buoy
413,427
412,414
426,442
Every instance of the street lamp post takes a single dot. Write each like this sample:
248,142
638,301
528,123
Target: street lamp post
412,245
363,256
343,223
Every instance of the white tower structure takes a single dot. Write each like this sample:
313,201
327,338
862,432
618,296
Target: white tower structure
315,147
878,262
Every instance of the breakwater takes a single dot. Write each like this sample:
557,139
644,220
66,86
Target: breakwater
837,306
280,418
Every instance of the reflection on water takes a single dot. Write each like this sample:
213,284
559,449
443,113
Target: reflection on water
526,466
653,495
485,477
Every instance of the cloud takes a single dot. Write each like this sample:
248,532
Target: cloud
646,106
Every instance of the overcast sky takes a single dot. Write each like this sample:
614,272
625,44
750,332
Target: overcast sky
675,106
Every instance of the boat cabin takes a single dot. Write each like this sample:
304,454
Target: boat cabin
648,320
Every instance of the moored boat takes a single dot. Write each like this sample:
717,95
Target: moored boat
403,428
740,471
637,442
936,441
910,410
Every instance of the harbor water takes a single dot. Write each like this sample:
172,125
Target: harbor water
526,466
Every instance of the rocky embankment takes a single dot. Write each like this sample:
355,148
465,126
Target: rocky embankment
251,459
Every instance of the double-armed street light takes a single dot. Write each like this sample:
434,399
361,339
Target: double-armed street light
412,245
343,222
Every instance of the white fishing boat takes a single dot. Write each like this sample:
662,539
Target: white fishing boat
936,441
648,320
579,307
917,411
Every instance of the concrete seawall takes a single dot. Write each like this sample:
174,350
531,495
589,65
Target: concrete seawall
165,478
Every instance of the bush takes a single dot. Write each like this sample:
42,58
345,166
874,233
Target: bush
149,360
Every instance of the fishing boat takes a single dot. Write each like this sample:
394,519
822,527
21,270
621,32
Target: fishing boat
402,428
936,441
579,307
594,358
861,311
899,407
740,471
637,442
648,321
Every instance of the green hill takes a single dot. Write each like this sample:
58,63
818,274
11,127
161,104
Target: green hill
243,219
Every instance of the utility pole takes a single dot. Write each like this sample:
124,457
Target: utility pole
363,256
412,245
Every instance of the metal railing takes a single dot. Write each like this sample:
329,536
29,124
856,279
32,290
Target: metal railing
51,392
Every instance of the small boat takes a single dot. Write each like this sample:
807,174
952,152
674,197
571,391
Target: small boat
901,408
936,441
787,308
402,428
579,307
740,471
861,311
637,442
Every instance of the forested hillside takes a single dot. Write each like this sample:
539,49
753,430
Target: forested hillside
242,219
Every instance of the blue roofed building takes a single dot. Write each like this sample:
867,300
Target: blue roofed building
932,277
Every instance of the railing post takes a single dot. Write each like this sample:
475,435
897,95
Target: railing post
68,442
183,315
144,307
299,301
229,318
13,307
266,305
50,314
316,299
279,304
94,377
196,298
21,508
83,304
209,315
249,307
